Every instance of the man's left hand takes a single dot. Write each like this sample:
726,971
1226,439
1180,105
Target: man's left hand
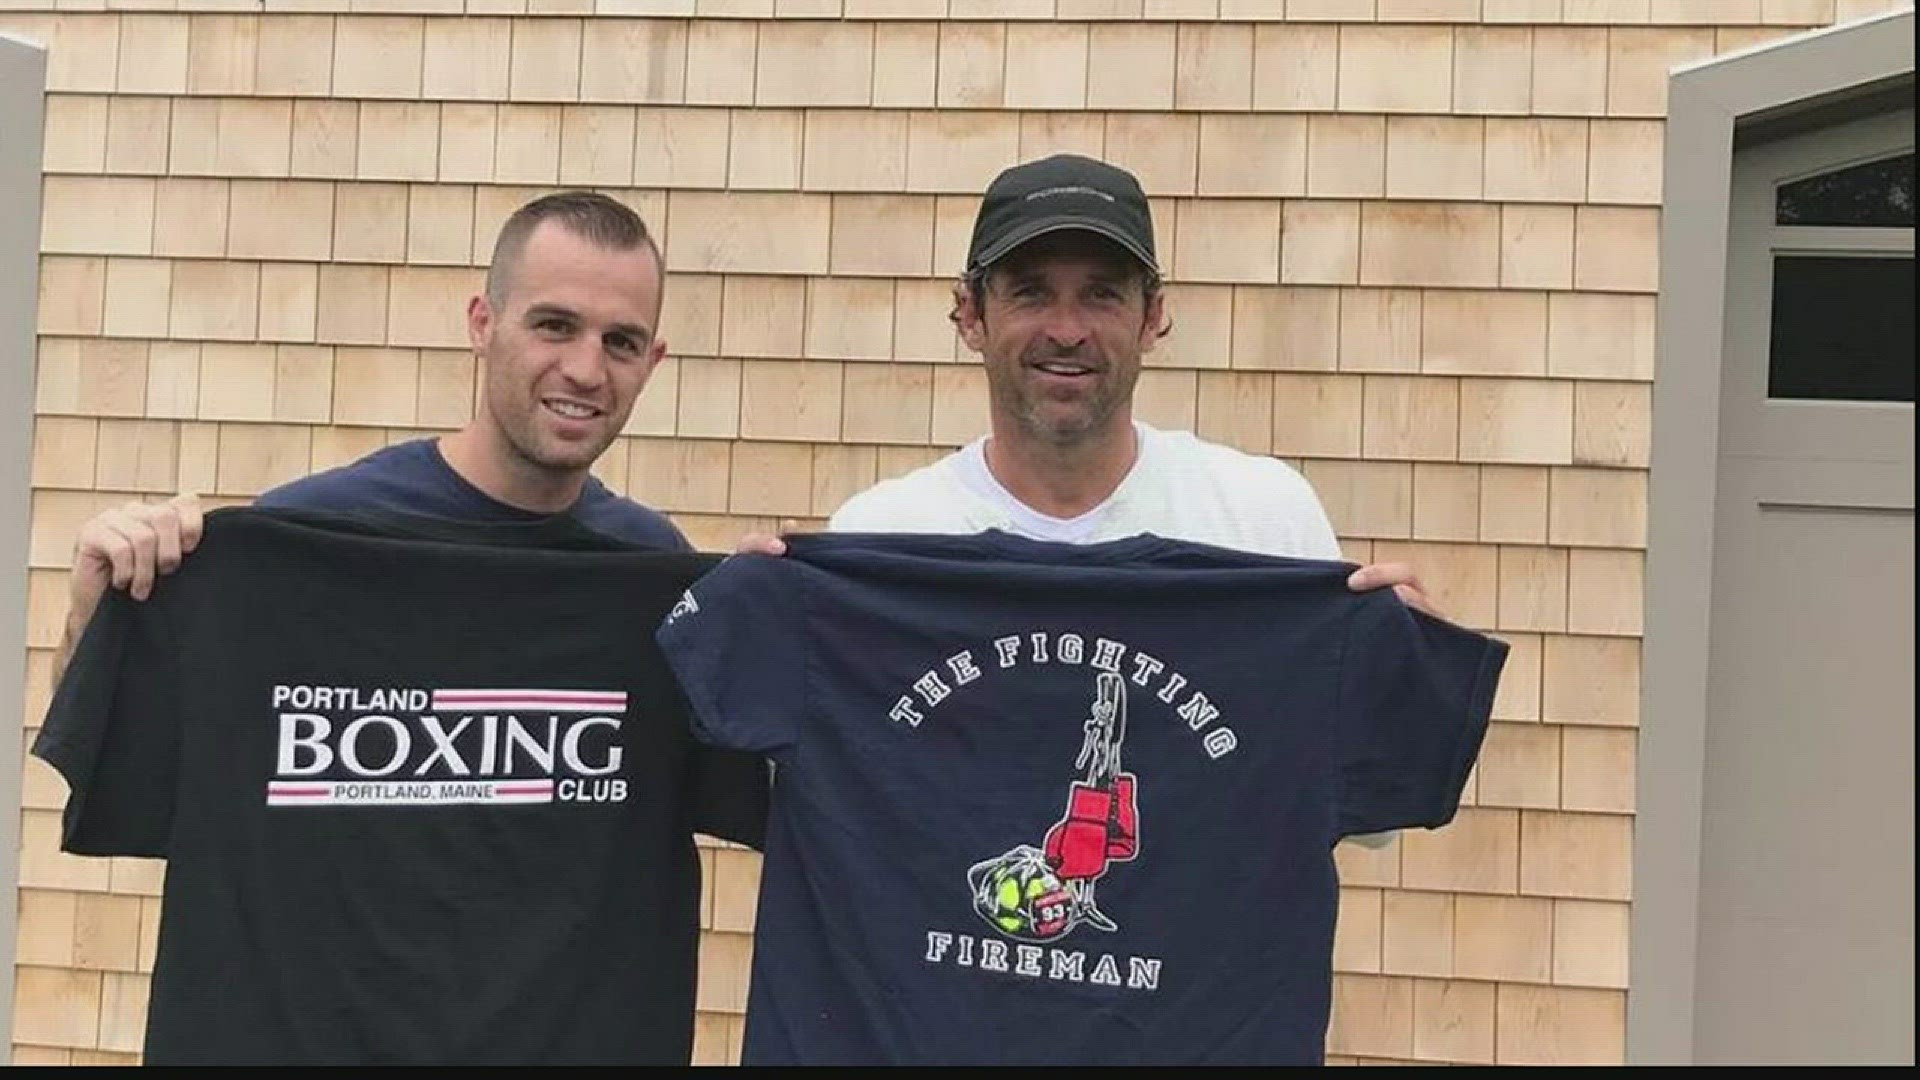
1406,585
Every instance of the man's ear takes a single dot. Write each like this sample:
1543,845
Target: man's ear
656,352
968,317
1156,318
480,316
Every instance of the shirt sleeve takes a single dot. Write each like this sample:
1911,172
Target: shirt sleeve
737,645
730,791
881,508
113,731
1416,692
1312,535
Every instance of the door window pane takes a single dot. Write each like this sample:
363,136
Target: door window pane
1876,193
1842,328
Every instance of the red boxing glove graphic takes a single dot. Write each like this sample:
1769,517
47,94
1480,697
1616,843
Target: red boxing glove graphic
1077,846
1102,823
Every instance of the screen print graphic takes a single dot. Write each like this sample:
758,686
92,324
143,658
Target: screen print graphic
354,746
1040,894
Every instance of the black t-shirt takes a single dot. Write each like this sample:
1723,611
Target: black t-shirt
426,792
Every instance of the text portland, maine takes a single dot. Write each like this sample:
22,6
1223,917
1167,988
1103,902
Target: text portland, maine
354,746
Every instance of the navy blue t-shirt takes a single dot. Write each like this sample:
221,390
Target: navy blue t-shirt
1041,803
412,477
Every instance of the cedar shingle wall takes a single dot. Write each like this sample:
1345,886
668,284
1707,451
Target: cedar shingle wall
1413,250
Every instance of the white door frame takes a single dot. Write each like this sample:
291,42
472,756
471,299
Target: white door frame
23,81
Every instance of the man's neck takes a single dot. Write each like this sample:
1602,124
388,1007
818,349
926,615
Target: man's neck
483,459
1062,481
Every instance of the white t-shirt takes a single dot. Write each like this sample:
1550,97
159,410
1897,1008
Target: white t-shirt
1180,487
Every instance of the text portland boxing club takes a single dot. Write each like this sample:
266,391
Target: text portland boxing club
346,745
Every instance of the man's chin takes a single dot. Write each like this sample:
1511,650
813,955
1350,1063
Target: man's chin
565,457
1062,423
1062,432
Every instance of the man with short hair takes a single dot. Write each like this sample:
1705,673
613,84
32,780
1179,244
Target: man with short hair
567,333
476,843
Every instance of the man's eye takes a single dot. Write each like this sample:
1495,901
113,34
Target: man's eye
620,343
552,326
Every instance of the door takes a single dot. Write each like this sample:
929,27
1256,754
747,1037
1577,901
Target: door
1806,894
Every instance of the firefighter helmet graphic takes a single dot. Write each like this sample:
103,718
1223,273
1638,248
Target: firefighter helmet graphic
1036,895
1021,895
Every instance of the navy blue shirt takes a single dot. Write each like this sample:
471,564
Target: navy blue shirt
1044,803
412,477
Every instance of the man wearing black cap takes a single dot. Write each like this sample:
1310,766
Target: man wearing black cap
1061,297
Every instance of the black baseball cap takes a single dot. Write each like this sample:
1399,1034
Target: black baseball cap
1065,191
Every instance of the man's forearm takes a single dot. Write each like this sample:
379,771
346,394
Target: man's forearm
63,653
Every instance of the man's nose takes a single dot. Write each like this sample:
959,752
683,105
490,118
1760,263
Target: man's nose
584,363
1066,326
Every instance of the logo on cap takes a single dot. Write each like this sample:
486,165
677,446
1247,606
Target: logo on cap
1068,190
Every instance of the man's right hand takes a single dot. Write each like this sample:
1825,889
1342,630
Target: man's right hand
130,548
759,543
126,548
